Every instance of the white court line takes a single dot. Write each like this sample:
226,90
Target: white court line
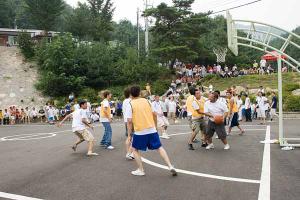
265,179
248,125
32,136
175,134
16,197
202,174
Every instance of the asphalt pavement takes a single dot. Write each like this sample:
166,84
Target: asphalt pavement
37,162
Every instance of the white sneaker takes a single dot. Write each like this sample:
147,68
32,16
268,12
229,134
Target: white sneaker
165,136
92,154
129,156
226,147
138,172
210,146
217,137
110,147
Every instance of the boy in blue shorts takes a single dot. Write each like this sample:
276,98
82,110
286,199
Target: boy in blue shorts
141,117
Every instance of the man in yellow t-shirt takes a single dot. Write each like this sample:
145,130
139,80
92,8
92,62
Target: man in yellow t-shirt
198,121
106,119
140,116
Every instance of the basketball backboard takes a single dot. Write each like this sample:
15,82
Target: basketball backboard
232,34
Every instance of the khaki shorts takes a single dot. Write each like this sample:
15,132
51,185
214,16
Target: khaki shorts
162,121
85,135
172,115
199,126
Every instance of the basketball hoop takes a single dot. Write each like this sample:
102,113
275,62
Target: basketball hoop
221,54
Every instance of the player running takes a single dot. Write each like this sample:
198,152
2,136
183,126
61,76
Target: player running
141,117
216,111
233,113
79,127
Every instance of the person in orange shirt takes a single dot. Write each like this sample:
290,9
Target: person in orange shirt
233,113
141,116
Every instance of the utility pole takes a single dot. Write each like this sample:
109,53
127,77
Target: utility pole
146,31
138,31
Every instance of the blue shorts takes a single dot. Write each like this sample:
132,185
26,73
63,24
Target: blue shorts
142,142
51,118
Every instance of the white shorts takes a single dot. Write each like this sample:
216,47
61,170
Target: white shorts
261,113
162,121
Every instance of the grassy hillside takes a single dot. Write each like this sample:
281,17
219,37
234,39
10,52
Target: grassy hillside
251,81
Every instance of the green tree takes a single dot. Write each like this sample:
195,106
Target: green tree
177,31
26,45
44,14
79,22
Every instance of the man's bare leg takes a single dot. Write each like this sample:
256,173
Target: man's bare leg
138,159
165,156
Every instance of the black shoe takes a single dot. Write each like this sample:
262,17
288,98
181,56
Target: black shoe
74,147
191,147
204,145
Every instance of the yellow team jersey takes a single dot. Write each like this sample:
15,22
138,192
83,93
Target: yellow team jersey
200,103
189,104
102,114
142,115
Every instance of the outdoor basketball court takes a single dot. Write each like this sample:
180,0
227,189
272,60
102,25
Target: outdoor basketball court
37,162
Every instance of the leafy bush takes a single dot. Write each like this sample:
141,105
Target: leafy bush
210,77
26,45
159,87
291,87
292,103
89,93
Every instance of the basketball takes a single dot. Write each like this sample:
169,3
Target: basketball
219,119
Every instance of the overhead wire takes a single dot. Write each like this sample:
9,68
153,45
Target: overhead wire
235,7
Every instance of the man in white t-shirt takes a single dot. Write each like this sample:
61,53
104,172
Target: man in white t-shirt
219,68
79,124
162,121
51,114
261,108
172,109
33,114
239,103
94,116
248,109
213,109
163,104
126,106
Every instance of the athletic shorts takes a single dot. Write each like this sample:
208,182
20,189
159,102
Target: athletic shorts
199,125
219,129
142,142
162,121
234,121
85,135
51,118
